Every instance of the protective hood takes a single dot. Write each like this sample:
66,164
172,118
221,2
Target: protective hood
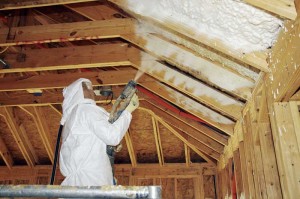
73,95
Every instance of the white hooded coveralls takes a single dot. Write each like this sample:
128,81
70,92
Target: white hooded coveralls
86,132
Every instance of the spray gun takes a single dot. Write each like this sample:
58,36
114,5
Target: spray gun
117,109
125,98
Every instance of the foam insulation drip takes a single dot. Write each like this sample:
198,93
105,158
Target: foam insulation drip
238,25
205,70
150,65
194,107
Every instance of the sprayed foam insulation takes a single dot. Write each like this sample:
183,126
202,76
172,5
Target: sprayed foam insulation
247,28
198,67
144,26
180,80
193,106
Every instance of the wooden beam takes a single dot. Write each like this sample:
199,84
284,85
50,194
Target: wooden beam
283,8
285,67
94,12
20,4
130,149
157,141
255,59
47,98
120,54
288,154
9,118
178,124
5,154
102,78
197,90
28,144
179,136
187,155
296,96
211,73
192,106
169,114
39,119
73,57
65,32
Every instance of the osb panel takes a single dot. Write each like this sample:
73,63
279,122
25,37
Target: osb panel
172,147
33,134
141,120
11,143
195,157
53,122
209,187
122,180
145,181
144,145
123,157
185,188
168,187
2,163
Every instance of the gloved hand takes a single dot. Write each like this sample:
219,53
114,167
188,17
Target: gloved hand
133,104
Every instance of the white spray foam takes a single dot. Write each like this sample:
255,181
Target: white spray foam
235,23
149,65
194,107
215,74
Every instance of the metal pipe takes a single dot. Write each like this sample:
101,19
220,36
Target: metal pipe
56,191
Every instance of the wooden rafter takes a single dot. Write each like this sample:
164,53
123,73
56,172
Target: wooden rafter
185,104
37,114
195,89
256,59
187,155
201,147
130,149
283,8
19,4
175,54
5,154
157,141
189,62
176,123
9,118
178,135
73,57
66,32
62,80
168,115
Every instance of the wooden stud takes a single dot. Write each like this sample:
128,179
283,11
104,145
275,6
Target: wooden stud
283,8
188,124
9,118
38,116
5,154
187,155
157,141
178,135
130,149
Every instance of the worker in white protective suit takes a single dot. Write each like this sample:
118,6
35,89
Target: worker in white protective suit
86,133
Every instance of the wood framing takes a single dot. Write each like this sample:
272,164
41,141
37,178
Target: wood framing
66,32
256,59
283,8
18,4
5,154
